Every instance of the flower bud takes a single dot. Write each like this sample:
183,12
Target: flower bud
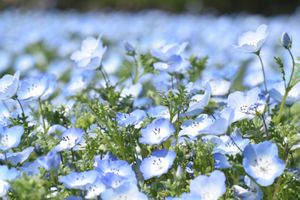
286,41
130,50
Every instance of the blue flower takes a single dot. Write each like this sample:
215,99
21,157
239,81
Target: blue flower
79,180
50,161
171,59
130,119
231,145
95,189
19,157
221,161
70,138
199,101
158,163
261,161
9,85
90,54
252,193
10,137
125,191
209,187
114,172
37,87
5,176
159,112
246,104
157,132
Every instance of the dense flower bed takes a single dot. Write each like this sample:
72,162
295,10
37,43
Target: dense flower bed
148,106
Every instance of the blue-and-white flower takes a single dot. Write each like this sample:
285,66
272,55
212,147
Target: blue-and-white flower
199,101
50,161
19,157
171,59
90,54
114,172
125,191
231,145
69,139
10,137
261,162
252,41
159,112
253,192
37,87
209,187
131,119
157,132
9,85
95,189
158,163
79,180
246,104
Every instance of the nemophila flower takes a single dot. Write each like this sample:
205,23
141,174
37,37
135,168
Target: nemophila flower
37,87
10,137
95,189
157,132
19,157
219,87
209,187
221,161
199,101
252,41
5,176
231,145
158,163
246,104
50,161
132,90
114,172
170,58
9,85
79,180
159,112
204,124
130,119
31,168
253,192
69,139
125,191
79,81
90,54
278,90
261,162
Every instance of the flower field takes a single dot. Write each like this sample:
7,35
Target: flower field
149,106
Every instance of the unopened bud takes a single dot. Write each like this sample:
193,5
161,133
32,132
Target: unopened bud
286,40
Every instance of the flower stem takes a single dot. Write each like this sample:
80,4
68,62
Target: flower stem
137,67
287,89
42,115
263,70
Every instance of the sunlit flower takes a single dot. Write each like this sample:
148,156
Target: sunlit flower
246,104
9,85
10,137
79,180
158,163
130,119
157,132
253,192
5,176
209,187
261,162
252,41
69,139
90,54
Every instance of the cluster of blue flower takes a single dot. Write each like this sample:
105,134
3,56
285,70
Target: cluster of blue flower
158,127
